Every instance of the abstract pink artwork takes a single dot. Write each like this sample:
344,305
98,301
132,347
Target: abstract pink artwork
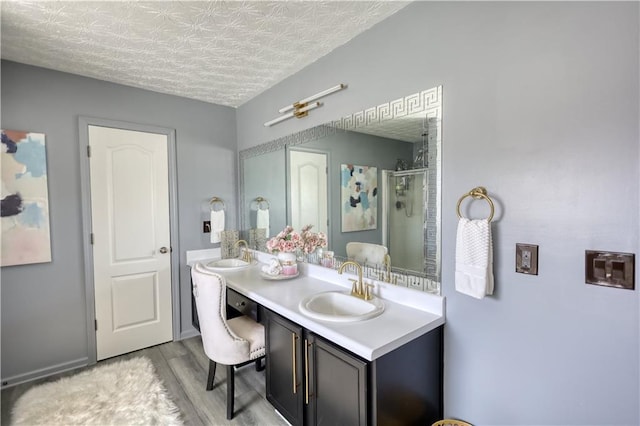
25,199
359,188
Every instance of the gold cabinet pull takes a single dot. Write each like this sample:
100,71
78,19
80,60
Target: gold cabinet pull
293,361
306,371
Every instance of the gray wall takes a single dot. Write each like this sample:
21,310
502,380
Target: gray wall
43,305
264,176
541,107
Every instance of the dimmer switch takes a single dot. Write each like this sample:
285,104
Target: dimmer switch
610,269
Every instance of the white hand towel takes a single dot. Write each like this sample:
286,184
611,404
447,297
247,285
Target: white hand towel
217,225
474,258
262,220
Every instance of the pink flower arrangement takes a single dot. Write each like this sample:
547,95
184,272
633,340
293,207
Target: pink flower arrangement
312,240
288,240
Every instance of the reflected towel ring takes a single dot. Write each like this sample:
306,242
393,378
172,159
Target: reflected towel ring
215,200
261,200
478,193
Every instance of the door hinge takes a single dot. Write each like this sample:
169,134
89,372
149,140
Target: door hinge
92,238
88,150
96,324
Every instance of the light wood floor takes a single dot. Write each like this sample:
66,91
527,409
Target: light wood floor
182,367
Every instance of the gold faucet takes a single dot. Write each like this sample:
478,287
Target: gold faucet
247,254
387,265
359,289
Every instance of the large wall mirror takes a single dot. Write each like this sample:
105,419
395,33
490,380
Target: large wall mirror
393,153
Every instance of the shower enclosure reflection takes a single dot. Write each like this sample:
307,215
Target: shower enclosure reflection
403,195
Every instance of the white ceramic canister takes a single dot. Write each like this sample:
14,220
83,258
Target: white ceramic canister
289,263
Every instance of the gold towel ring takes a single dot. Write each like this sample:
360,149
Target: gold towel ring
261,200
478,193
215,200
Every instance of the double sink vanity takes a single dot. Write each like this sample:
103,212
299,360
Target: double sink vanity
334,358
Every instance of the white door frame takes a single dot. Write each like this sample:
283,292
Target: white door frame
287,165
85,195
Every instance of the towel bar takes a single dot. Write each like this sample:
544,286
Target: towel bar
215,200
478,193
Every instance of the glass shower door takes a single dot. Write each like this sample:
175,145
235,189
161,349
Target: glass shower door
404,209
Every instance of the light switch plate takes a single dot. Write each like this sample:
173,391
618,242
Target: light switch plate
527,259
610,269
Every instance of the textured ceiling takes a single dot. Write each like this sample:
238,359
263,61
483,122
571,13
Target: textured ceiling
224,52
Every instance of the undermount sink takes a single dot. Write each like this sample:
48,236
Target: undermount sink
227,265
340,306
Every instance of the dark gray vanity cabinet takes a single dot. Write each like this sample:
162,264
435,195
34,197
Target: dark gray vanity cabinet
337,381
310,381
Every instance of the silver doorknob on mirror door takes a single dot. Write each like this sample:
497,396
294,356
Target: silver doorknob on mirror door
163,250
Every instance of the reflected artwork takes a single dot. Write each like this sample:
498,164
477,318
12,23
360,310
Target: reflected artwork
359,189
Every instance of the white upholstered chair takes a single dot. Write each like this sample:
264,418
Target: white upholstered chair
233,342
366,253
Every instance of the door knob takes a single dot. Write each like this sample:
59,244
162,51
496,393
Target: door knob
163,250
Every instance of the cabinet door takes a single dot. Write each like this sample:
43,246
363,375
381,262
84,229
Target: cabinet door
337,380
284,367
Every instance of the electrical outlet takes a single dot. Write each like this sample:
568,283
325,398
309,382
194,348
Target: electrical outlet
527,259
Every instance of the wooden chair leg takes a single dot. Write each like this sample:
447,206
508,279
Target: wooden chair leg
230,391
212,374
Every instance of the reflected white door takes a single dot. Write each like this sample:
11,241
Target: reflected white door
308,184
131,239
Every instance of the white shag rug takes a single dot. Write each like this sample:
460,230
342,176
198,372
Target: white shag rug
122,393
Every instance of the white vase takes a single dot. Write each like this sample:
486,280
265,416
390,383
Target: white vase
288,262
287,258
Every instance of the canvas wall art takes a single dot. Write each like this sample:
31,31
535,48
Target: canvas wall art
25,199
359,197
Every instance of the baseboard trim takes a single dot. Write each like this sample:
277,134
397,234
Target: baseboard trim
189,333
44,372
65,366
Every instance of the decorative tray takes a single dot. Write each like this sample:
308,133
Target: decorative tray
278,277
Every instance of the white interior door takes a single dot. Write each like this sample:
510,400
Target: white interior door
131,239
308,184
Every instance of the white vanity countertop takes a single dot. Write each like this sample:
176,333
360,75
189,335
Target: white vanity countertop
370,339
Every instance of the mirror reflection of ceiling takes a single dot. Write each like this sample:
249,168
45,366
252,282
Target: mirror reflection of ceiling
223,52
409,128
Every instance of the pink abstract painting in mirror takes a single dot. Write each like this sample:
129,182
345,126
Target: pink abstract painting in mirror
25,199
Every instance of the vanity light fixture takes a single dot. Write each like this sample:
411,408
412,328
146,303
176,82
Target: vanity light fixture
302,107
301,111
